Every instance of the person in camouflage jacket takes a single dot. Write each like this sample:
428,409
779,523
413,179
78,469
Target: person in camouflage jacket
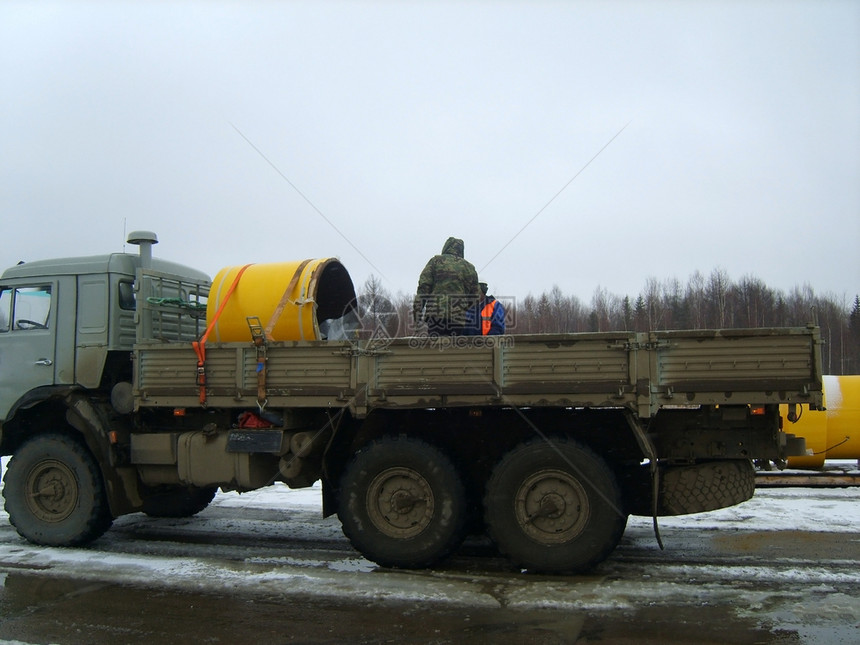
447,288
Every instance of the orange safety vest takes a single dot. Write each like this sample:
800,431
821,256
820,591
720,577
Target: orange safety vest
487,317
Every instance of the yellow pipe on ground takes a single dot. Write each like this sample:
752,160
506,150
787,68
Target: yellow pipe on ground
290,299
833,433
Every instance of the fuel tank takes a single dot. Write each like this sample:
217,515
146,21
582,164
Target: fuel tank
833,433
301,300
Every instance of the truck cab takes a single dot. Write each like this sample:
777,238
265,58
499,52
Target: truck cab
70,324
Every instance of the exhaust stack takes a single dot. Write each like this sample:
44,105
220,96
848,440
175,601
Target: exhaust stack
145,240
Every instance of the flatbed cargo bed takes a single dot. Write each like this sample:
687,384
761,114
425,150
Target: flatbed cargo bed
643,372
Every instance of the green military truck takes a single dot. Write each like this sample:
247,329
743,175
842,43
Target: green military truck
113,401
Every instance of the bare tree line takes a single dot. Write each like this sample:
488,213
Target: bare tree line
704,302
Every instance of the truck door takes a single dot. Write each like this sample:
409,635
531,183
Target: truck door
27,340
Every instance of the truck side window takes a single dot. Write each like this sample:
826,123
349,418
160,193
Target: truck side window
5,309
31,308
126,296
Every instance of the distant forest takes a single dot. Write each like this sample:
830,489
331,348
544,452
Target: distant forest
704,302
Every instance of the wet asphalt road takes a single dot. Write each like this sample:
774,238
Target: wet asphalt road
46,610
198,581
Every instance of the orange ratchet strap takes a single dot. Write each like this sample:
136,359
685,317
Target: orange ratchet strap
200,346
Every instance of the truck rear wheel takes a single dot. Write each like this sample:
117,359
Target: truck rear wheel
54,492
554,507
402,503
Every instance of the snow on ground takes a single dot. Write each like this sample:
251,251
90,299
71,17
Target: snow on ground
831,510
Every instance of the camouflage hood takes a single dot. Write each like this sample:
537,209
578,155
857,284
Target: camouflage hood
453,246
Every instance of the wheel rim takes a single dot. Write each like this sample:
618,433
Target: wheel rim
551,507
52,491
400,502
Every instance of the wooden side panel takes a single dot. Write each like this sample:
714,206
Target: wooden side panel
597,363
404,369
743,366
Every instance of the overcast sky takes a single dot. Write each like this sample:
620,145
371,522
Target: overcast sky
265,131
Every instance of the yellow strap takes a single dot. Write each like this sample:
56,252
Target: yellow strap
276,315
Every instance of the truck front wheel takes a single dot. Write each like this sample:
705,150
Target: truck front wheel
402,503
54,492
554,506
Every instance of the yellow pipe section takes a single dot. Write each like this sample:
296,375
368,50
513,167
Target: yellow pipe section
289,298
833,433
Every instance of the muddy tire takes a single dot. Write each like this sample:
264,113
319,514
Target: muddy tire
179,502
54,492
703,487
402,503
554,507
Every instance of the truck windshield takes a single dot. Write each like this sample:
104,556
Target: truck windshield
25,308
